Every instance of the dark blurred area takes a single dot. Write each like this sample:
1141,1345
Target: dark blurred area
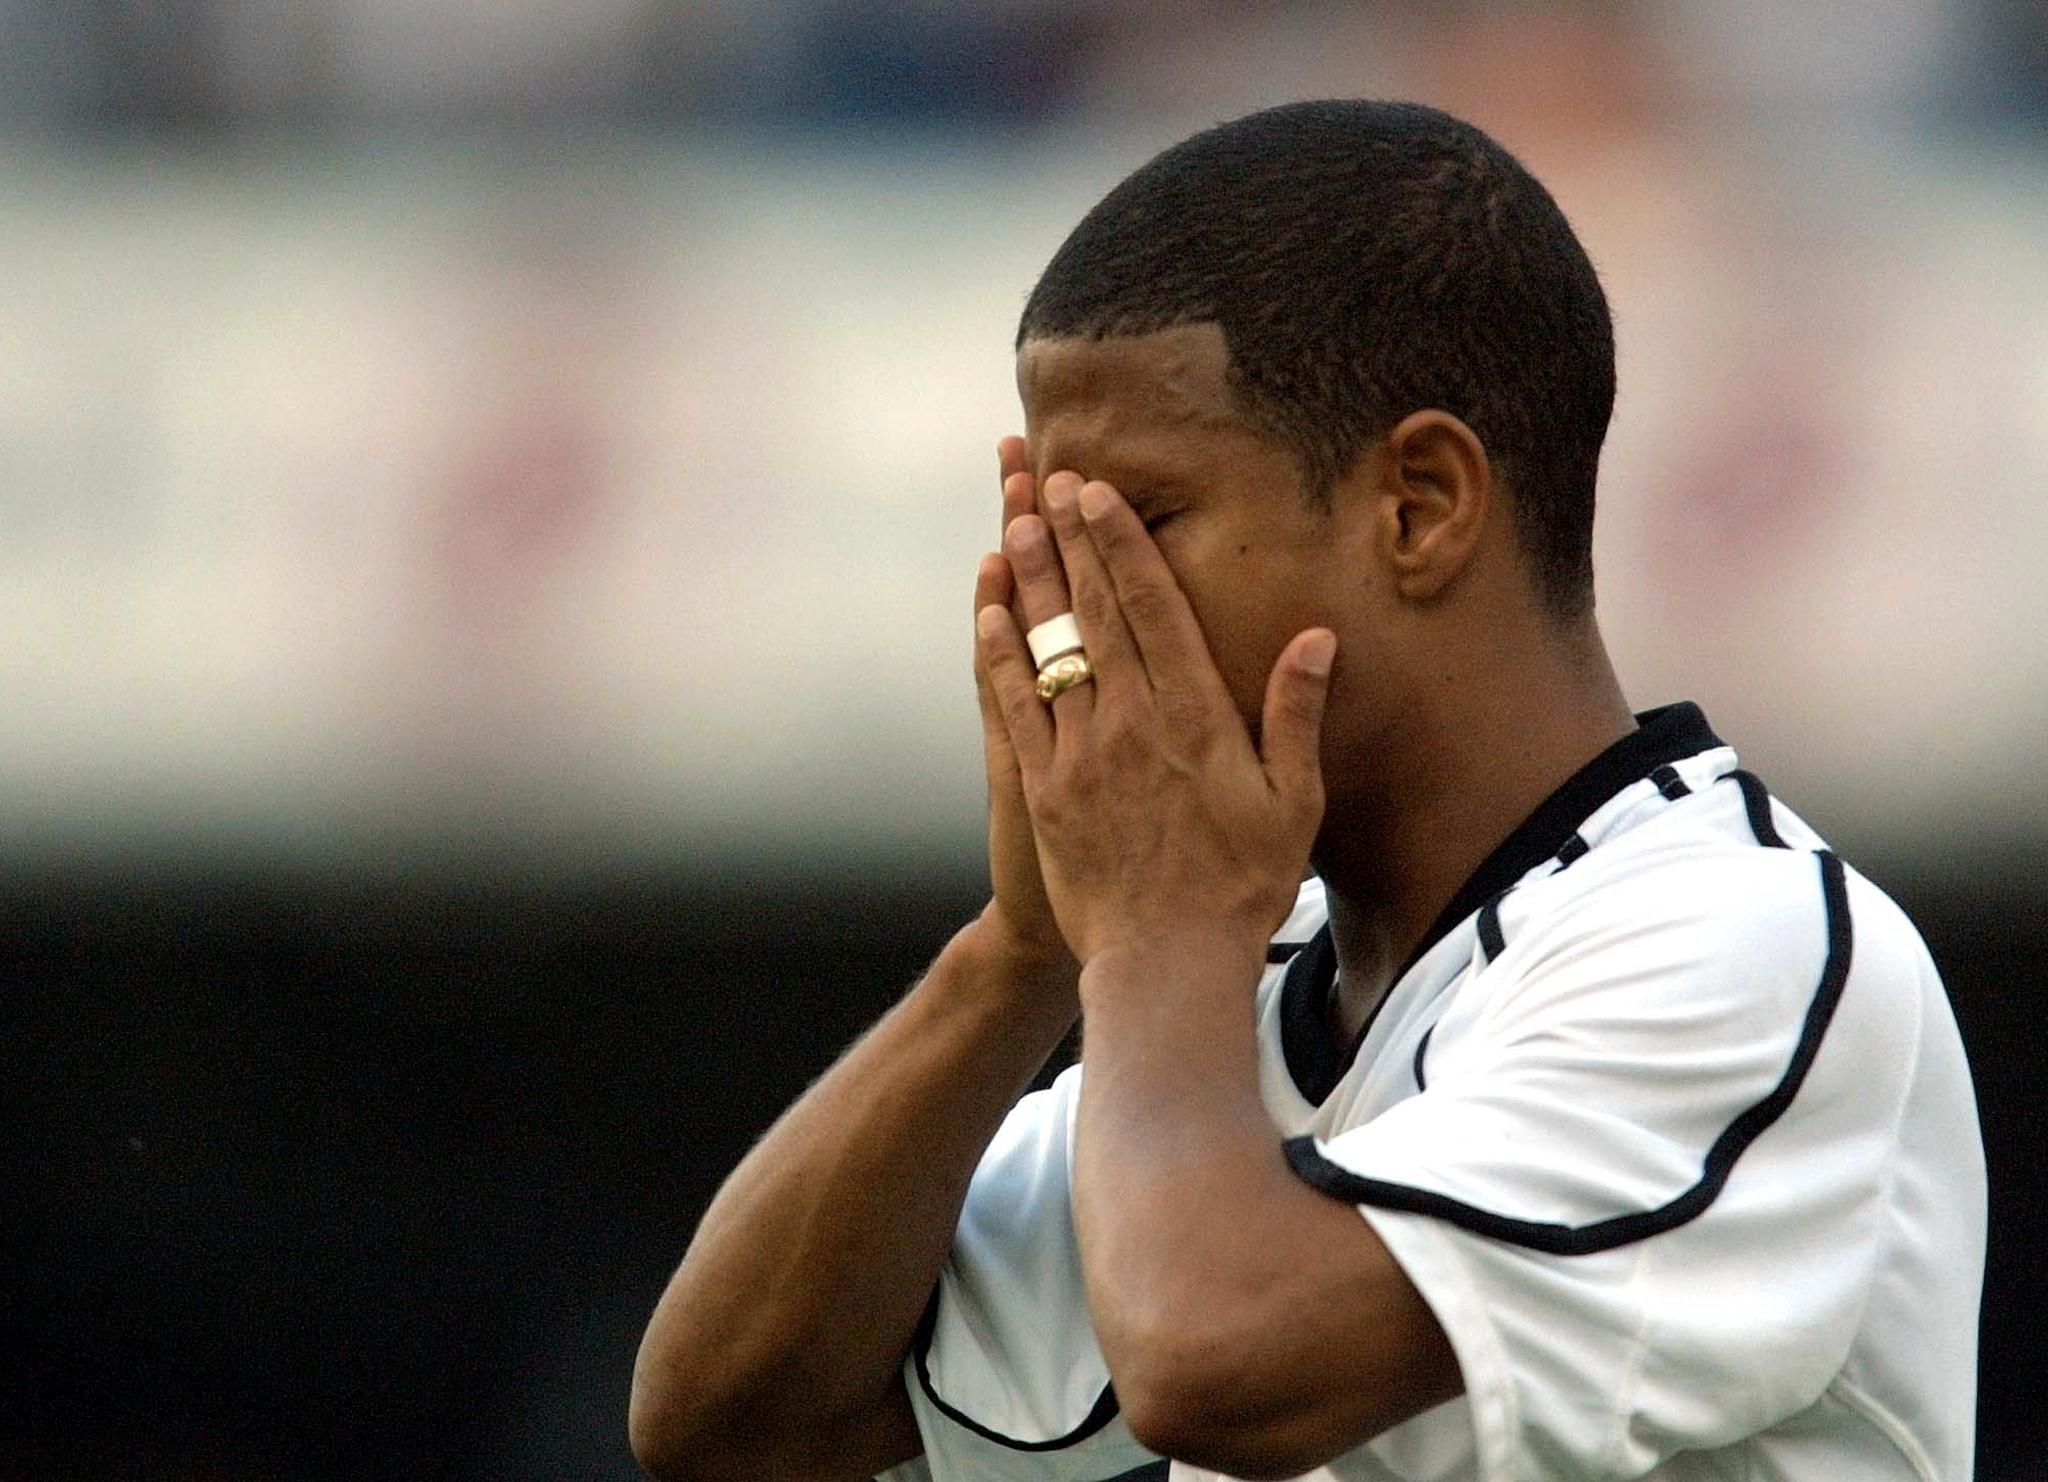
322,1179
454,458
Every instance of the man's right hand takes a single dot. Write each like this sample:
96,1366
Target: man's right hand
1019,915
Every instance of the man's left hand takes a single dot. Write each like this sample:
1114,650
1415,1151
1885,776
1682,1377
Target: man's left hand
1157,820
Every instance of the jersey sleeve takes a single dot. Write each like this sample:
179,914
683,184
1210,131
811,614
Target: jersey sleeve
1005,1376
1643,1188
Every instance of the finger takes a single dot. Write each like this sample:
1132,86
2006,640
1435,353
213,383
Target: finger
1011,457
1020,490
1042,594
1013,680
993,581
1168,636
1020,497
1035,562
1111,652
1291,725
993,586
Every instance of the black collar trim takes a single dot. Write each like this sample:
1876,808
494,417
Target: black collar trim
1665,735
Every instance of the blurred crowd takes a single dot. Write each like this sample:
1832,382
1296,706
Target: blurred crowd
422,411
210,64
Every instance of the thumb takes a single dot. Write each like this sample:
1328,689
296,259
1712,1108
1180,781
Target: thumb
1291,732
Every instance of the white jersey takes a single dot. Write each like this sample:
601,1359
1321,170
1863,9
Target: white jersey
1668,1121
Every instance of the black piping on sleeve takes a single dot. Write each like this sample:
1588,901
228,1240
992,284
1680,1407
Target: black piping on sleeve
1756,802
1491,942
1308,1161
1099,1415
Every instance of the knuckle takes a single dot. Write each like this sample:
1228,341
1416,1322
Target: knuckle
1045,595
1147,601
1047,800
1185,713
1123,741
1092,605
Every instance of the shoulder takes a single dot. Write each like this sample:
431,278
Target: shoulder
1725,880
1690,914
1712,939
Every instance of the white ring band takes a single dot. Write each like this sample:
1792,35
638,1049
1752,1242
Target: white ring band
1053,637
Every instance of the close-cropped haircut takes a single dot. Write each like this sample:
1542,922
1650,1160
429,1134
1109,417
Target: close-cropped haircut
1365,260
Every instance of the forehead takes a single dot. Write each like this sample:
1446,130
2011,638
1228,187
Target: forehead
1169,385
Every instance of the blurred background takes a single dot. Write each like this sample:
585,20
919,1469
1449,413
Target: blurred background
455,456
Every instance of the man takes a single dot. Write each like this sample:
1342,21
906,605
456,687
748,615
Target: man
1582,1117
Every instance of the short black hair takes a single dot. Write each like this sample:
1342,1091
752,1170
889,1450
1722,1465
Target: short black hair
1366,260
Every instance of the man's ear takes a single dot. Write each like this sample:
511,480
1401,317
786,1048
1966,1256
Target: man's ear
1436,497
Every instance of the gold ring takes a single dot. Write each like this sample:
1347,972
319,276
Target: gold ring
1061,673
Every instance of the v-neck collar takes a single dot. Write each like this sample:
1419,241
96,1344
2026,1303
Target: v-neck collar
1663,736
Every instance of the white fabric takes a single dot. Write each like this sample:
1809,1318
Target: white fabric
1816,1321
1013,1289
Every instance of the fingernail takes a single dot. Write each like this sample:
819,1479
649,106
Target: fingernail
1059,492
1317,654
989,621
1025,535
1096,501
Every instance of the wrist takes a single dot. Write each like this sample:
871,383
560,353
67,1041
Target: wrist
1183,965
1009,964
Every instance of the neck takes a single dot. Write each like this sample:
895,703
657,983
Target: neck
1477,758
